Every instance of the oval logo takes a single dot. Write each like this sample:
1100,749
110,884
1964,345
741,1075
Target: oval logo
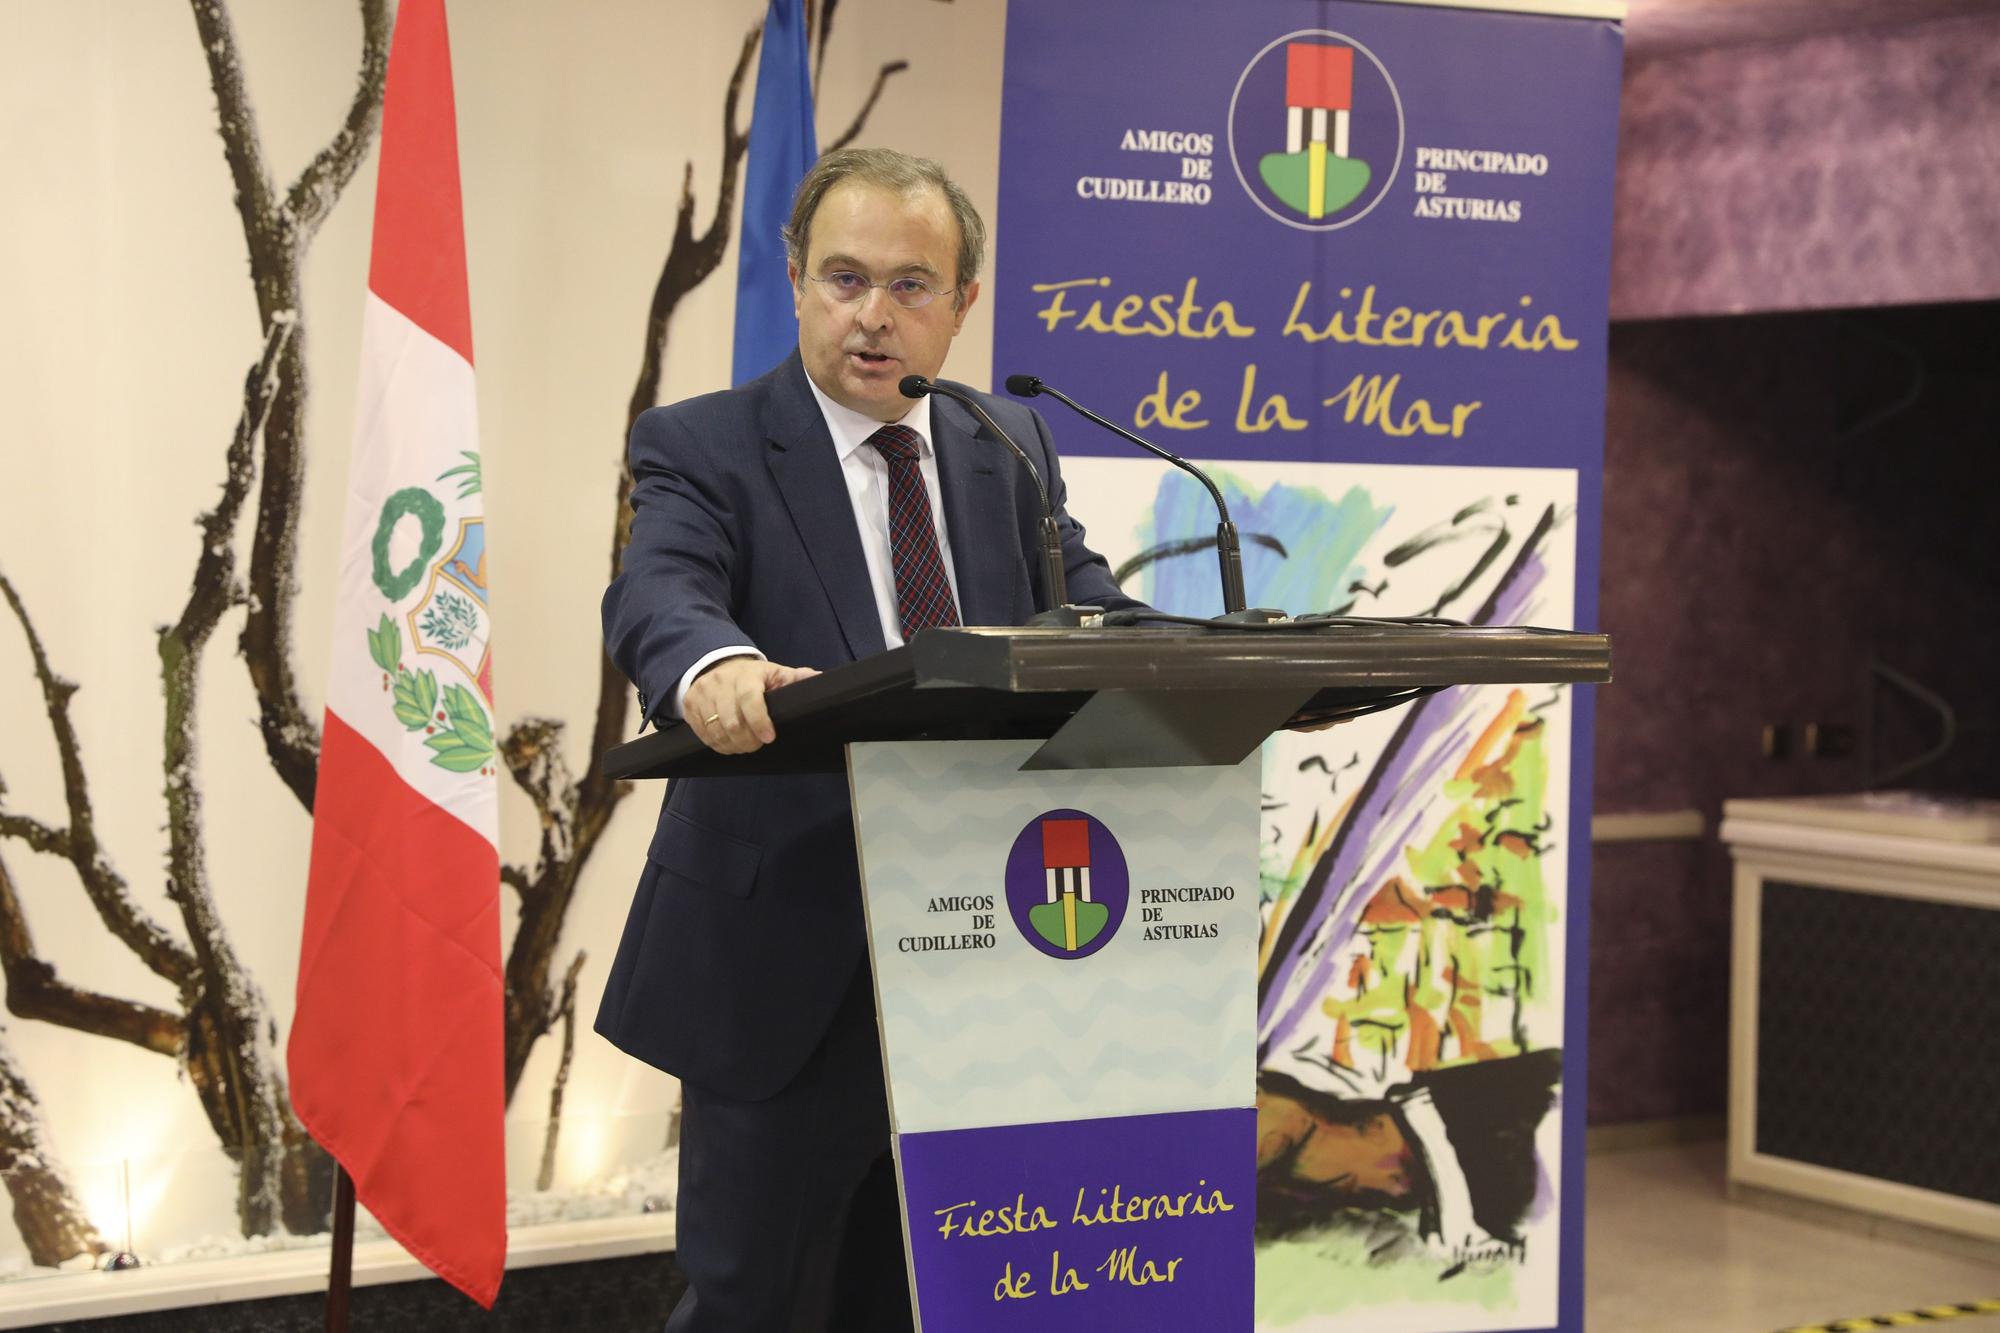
1315,130
1067,884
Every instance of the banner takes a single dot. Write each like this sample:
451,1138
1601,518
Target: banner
1357,254
1062,965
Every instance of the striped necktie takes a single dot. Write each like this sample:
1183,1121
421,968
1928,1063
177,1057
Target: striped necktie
923,593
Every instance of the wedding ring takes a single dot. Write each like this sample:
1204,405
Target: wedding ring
712,719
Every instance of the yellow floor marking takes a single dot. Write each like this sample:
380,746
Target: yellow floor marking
1929,1314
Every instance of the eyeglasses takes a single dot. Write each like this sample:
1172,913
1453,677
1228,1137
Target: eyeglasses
910,293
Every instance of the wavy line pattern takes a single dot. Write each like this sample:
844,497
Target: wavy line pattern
1008,1035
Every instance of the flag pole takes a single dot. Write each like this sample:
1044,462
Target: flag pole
340,1281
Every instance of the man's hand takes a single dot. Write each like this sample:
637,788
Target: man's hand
725,705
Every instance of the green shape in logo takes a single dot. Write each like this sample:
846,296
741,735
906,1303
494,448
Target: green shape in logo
1289,176
1048,921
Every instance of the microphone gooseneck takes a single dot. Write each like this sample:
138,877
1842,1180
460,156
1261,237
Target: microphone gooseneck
1228,546
1055,581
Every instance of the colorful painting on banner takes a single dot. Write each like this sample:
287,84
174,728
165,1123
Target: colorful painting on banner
1414,891
1357,255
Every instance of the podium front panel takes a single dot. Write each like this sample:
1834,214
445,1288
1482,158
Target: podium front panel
1065,969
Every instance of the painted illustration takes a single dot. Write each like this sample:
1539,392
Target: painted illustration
1410,1016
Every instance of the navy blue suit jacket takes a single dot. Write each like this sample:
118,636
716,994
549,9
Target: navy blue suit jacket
747,926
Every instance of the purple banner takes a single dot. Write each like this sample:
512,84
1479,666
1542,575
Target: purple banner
1139,1222
1357,257
1329,231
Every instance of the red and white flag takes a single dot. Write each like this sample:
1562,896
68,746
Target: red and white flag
396,1049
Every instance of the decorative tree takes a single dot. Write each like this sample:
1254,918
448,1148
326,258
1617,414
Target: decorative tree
221,1030
52,1223
575,814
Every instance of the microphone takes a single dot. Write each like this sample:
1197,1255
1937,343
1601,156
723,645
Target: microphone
1054,580
1228,548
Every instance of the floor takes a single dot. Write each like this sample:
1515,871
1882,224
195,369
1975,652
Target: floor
1669,1252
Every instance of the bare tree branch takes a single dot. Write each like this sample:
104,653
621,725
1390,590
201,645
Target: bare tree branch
230,1057
825,31
242,145
532,751
105,887
853,131
230,1048
576,815
691,259
232,1061
34,990
52,1223
215,587
225,1037
546,1178
291,734
319,187
39,836
276,238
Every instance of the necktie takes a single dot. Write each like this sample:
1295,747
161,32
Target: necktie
923,594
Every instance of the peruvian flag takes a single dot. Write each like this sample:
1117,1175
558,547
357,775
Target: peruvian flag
396,1048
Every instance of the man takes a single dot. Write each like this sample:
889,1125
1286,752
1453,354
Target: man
778,529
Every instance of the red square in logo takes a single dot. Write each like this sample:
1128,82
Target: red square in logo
1319,76
1065,843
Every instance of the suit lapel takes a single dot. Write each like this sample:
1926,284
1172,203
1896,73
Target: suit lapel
807,472
973,474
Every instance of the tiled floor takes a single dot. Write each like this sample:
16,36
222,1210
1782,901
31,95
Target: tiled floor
1668,1253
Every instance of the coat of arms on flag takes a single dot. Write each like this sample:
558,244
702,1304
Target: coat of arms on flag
448,620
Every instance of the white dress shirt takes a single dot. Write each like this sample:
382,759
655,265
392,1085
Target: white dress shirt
866,473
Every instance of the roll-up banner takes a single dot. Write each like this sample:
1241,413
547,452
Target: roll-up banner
1356,254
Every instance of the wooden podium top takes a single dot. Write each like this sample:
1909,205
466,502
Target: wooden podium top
1228,684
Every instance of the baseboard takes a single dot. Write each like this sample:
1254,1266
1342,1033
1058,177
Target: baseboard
1634,1134
65,1296
1872,1225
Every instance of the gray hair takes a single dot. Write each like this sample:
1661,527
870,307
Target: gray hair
890,170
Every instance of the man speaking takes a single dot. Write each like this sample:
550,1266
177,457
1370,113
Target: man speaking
812,517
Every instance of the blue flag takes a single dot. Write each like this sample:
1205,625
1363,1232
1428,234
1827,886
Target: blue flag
782,148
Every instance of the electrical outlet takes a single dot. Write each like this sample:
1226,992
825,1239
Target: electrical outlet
1777,740
1829,740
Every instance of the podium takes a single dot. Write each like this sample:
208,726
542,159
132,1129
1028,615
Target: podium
1122,697
1058,838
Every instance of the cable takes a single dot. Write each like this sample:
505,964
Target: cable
1332,618
1309,623
1348,712
1135,616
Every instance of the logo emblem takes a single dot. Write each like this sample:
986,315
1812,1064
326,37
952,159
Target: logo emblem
1315,130
1067,884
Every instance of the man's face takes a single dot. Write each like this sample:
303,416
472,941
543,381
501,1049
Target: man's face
857,352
